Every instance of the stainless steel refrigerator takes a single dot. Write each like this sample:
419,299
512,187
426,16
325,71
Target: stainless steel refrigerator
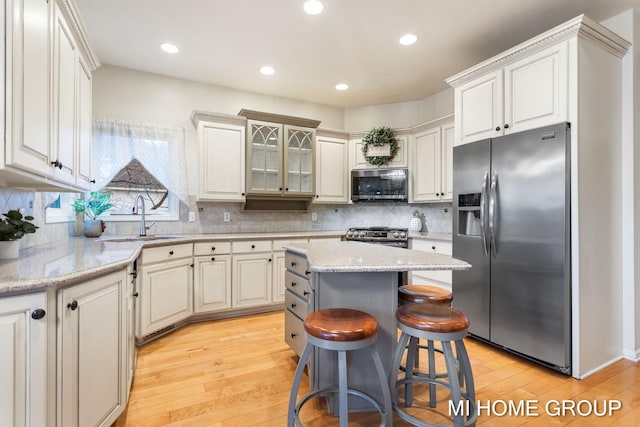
511,222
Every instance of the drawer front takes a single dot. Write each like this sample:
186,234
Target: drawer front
166,253
296,304
251,246
298,285
439,247
297,263
294,332
211,248
278,245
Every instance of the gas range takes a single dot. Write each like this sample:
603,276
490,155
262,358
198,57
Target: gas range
389,236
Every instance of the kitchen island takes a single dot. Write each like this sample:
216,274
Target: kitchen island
355,275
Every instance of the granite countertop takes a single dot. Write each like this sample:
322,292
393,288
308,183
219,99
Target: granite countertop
349,256
79,258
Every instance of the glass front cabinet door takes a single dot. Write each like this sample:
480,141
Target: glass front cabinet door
281,159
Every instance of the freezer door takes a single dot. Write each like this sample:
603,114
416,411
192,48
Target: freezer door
471,289
530,273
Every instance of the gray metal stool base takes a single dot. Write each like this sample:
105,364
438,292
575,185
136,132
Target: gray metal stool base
342,390
458,366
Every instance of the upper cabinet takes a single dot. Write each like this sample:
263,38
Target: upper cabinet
47,109
432,164
527,93
358,161
332,182
221,145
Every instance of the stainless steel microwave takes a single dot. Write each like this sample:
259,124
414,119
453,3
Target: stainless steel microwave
379,184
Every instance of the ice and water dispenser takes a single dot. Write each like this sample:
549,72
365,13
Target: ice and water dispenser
469,215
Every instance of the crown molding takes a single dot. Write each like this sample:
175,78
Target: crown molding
71,13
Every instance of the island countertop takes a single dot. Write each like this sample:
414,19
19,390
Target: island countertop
350,256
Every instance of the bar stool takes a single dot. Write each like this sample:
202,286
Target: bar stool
422,294
341,330
447,325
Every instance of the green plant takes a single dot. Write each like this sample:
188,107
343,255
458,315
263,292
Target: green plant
94,206
379,137
13,227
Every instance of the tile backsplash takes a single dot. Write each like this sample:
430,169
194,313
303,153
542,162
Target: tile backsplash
210,218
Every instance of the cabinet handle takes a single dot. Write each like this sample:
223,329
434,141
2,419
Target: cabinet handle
73,305
57,164
293,263
213,258
293,305
136,294
170,252
506,125
497,128
38,314
293,284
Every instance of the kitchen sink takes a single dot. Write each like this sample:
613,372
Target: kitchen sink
138,238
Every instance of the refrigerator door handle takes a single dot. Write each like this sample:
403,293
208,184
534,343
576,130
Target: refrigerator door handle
492,212
483,231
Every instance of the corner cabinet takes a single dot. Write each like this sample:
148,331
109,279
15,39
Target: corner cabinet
432,164
92,343
332,166
23,360
47,109
221,146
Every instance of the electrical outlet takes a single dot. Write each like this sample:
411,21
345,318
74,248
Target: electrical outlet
227,217
314,216
192,217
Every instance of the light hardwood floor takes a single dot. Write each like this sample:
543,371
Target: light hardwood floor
237,372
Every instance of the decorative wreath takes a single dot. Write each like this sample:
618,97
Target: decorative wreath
379,137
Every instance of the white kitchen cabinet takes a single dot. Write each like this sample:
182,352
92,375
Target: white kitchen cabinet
23,360
131,295
358,160
332,170
166,292
441,278
279,267
92,346
47,112
525,94
252,273
211,276
432,164
221,145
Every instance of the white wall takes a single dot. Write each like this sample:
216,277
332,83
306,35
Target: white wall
627,25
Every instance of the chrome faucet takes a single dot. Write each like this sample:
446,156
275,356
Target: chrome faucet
136,206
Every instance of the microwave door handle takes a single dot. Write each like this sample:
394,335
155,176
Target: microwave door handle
492,213
483,231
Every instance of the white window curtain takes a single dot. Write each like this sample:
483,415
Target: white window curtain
161,151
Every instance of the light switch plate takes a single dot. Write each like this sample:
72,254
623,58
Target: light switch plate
314,216
227,217
192,217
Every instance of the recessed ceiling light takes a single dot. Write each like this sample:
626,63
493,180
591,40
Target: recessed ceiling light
342,86
267,70
408,39
313,7
169,48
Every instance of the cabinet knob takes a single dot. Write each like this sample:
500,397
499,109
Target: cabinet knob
57,164
497,128
433,247
280,188
293,263
293,335
305,293
73,305
506,125
242,194
286,189
293,284
93,181
253,246
170,252
317,195
213,248
293,305
269,260
136,294
38,314
191,265
213,258
307,272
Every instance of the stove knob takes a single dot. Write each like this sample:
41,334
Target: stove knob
396,234
349,233
363,234
403,234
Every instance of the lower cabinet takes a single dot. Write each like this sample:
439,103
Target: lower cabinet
280,268
440,278
23,360
298,301
212,283
166,292
252,273
92,338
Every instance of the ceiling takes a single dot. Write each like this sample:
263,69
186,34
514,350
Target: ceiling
225,42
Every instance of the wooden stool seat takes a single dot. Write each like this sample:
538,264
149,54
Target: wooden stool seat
432,318
340,324
424,293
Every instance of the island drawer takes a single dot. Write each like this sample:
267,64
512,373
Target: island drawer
296,263
294,332
211,248
166,253
295,304
252,246
298,285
